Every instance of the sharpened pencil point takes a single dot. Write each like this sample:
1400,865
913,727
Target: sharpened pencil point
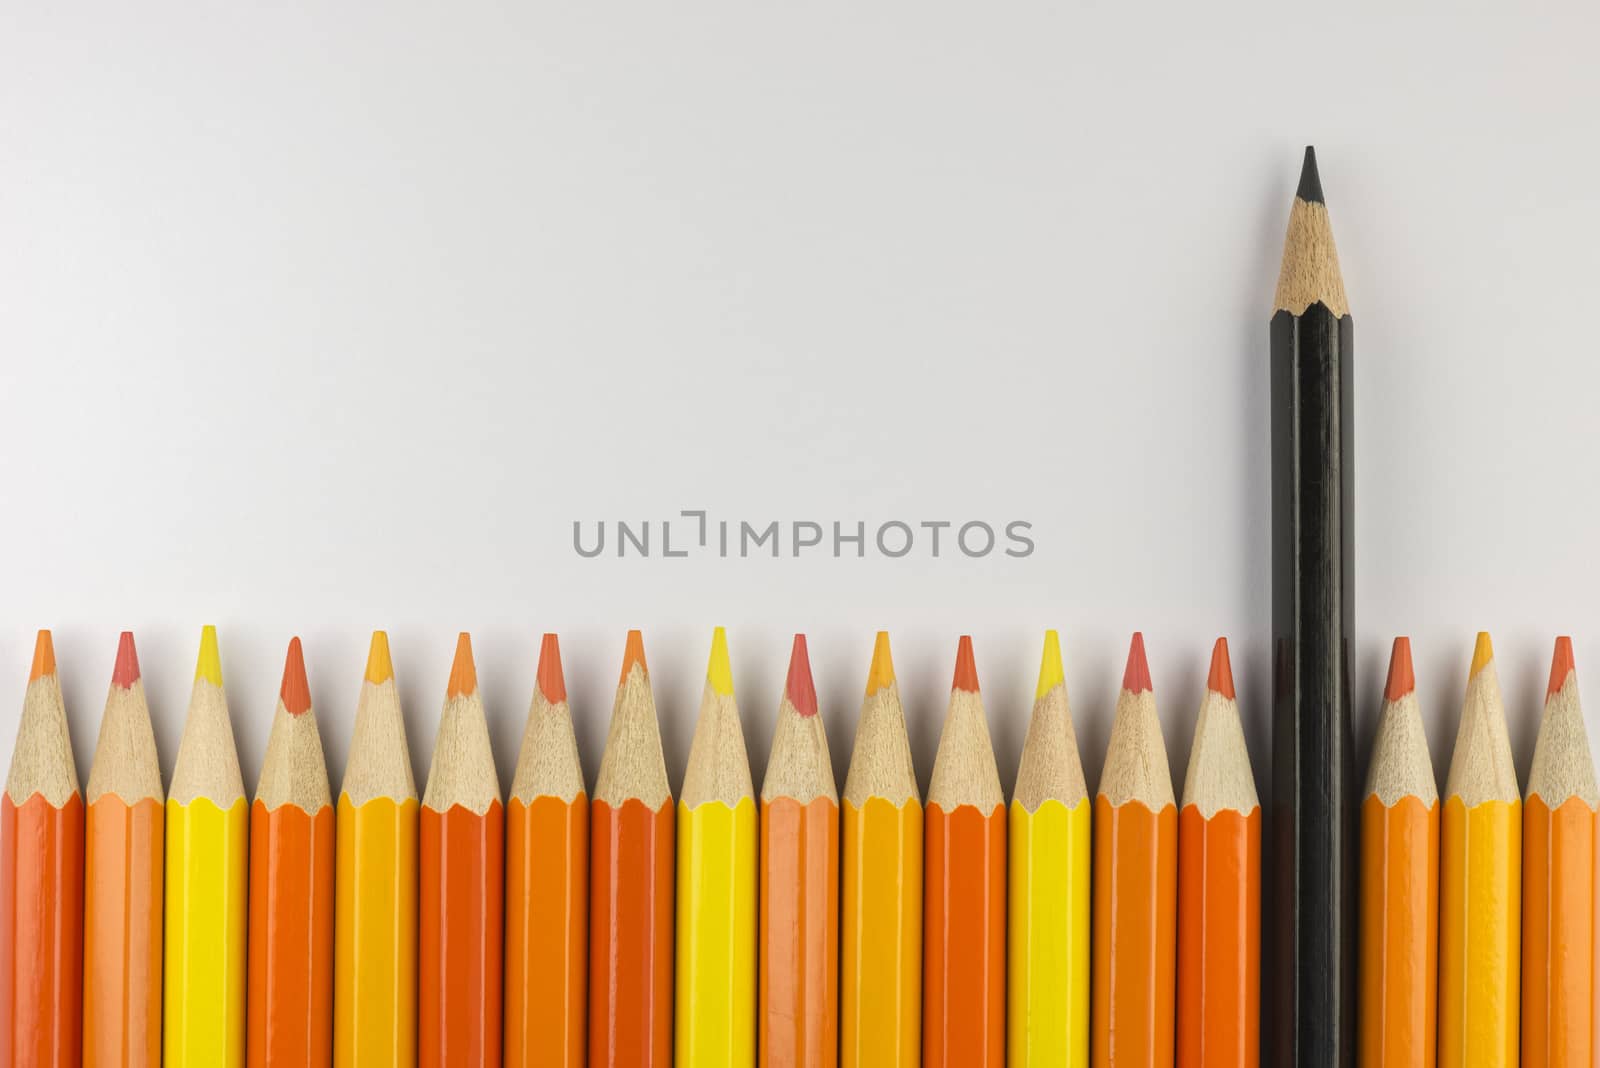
633,653
1220,680
799,688
44,657
880,676
1561,665
1402,679
1310,189
552,683
126,672
719,672
209,664
966,667
379,667
295,693
1482,653
1136,676
1051,674
463,672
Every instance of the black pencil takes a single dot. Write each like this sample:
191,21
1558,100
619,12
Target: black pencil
1308,1020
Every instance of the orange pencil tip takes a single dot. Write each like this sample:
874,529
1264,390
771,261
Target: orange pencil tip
295,693
633,654
126,671
802,693
1220,680
880,676
1136,676
463,672
1402,680
1482,653
380,668
44,656
1561,665
552,683
966,667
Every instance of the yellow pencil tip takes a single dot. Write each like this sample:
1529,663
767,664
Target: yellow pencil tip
880,676
209,665
1050,673
719,673
1482,653
379,667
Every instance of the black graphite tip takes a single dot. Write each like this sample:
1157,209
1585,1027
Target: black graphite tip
1310,181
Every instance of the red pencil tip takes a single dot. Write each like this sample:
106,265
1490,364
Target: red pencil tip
802,693
126,673
633,654
1136,677
463,672
1220,681
966,667
295,693
1561,665
550,680
1402,680
44,657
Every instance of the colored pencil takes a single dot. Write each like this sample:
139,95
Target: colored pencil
1135,885
799,883
717,857
207,882
289,1010
631,883
1309,969
462,907
123,869
1219,887
1480,878
1399,957
964,877
1048,915
547,883
41,882
1559,903
880,1017
375,884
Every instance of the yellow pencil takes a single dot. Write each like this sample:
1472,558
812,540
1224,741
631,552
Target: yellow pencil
207,884
1048,934
716,988
375,903
1480,881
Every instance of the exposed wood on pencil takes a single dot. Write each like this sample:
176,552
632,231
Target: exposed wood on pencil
1310,270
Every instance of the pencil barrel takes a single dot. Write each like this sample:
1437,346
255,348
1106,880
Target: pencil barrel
1559,991
1399,956
547,932
123,872
375,934
799,989
1047,992
630,935
881,963
41,932
1480,918
461,937
716,935
964,942
1135,937
1219,939
289,1010
207,929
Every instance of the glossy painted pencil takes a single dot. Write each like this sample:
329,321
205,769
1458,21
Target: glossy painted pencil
880,980
964,878
207,882
1559,900
547,884
462,901
289,1010
1310,964
1047,1019
123,869
375,886
631,883
1135,885
1480,879
717,858
41,882
1399,954
799,883
1219,887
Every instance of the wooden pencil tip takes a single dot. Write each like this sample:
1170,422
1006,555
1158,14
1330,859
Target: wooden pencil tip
966,667
880,676
463,672
1220,680
799,688
1051,674
295,693
1402,679
208,665
552,683
1561,665
380,668
1482,653
126,672
1136,676
633,654
44,657
719,672
1310,189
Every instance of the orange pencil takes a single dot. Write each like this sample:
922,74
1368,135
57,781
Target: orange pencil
289,994
1219,888
547,884
1398,967
631,883
799,927
1560,1013
463,885
123,869
964,887
1135,885
41,882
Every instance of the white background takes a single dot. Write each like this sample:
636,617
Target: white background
315,319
